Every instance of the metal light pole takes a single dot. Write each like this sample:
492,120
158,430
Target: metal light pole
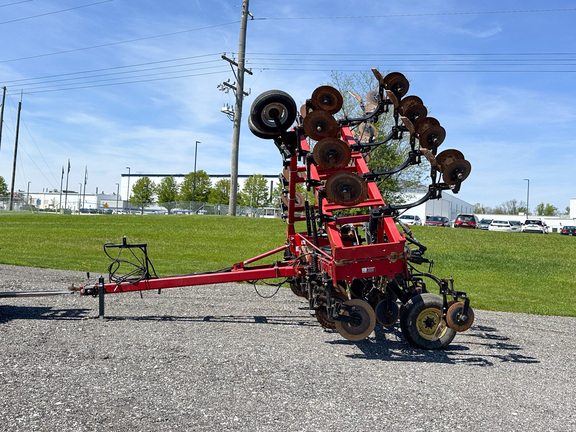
528,198
194,182
117,195
28,196
2,113
128,189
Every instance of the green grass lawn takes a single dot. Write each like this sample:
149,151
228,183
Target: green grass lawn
500,271
517,272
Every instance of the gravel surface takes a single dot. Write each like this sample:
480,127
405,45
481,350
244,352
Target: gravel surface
220,358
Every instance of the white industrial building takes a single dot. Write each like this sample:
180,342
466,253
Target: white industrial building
448,205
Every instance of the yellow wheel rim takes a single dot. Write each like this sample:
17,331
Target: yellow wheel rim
427,323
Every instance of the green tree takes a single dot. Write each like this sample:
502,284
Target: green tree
167,192
3,187
482,209
384,157
255,192
143,193
511,207
546,209
220,193
200,192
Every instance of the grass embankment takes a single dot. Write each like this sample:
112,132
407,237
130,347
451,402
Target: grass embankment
500,271
516,272
176,244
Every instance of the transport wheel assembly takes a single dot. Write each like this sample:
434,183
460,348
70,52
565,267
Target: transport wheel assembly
422,324
272,110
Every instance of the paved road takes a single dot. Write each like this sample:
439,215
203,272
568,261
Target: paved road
220,358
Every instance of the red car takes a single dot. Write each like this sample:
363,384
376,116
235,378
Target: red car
441,221
466,221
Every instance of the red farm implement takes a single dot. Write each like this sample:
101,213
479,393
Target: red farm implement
350,262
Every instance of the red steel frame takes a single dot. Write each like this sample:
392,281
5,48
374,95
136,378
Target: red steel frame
347,262
340,261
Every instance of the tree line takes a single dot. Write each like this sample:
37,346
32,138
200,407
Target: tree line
515,207
3,187
197,187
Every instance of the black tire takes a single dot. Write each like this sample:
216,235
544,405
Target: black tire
419,321
269,105
259,133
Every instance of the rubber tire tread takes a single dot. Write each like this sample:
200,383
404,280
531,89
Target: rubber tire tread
409,314
260,103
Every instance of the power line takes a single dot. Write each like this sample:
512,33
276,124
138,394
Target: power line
112,68
296,69
516,11
54,12
117,43
47,90
132,77
457,62
493,62
133,73
278,59
338,54
16,3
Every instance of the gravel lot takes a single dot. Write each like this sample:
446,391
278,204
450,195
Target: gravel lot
220,358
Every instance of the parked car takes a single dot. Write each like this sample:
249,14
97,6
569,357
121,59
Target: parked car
466,221
411,220
500,225
534,226
441,221
504,225
516,226
568,230
484,224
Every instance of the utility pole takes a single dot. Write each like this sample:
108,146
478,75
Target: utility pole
11,203
239,92
66,191
194,181
2,113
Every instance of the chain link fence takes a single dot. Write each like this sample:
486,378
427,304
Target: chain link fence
194,207
173,208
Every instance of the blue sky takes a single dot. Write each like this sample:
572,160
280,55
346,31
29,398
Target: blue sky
111,84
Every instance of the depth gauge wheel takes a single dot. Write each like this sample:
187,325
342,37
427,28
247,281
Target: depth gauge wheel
456,319
362,320
422,325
